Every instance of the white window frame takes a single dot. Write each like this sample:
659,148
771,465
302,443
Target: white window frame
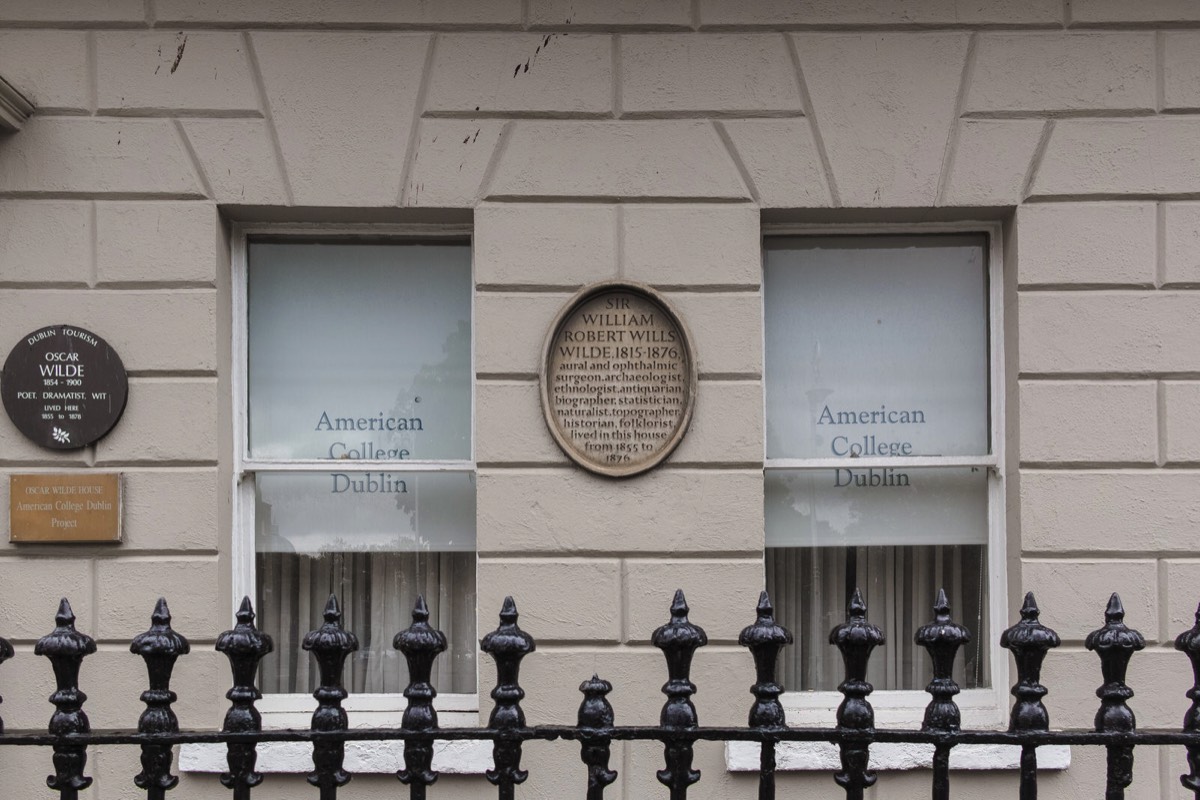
295,710
981,708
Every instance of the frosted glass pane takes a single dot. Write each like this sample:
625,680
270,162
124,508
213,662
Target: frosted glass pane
348,512
876,346
861,507
359,351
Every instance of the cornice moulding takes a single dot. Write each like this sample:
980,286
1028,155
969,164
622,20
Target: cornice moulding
14,108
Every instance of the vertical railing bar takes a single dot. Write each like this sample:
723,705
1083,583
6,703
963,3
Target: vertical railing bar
159,647
1029,640
330,644
678,639
245,647
508,644
6,652
1029,788
1115,643
940,789
765,639
420,643
1189,642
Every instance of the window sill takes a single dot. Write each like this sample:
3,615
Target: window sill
475,757
284,711
363,758
823,756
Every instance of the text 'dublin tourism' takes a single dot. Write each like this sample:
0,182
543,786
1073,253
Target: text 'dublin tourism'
63,387
618,379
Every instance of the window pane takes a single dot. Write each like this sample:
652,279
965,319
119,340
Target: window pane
811,586
359,351
855,507
378,540
364,512
377,591
876,346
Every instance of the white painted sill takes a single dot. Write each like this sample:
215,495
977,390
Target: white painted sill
475,757
823,756
449,758
281,712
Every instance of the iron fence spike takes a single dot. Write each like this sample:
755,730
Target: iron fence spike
1115,643
159,647
66,648
330,644
765,639
856,639
245,646
679,639
508,644
420,643
942,638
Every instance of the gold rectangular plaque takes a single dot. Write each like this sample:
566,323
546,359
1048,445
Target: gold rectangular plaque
65,507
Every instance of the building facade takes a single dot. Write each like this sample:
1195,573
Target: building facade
957,240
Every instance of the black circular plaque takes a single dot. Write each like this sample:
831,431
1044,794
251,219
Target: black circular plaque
64,387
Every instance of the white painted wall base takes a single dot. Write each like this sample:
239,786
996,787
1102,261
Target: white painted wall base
474,757
450,758
823,756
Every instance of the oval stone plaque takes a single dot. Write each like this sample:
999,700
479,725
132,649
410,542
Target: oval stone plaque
618,379
64,387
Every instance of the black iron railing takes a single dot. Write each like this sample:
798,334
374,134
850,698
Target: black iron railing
70,735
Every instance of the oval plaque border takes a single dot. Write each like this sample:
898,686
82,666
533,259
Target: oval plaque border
689,355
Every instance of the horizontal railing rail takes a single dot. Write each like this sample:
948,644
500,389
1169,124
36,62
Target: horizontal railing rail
69,734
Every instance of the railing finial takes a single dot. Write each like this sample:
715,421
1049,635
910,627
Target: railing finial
159,647
420,643
66,648
942,638
244,645
508,644
855,639
679,639
765,638
330,644
1029,640
1115,643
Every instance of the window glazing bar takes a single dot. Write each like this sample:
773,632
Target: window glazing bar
905,462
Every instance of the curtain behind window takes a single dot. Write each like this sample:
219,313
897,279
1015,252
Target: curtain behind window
899,585
377,592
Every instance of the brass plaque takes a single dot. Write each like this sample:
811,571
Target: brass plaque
618,379
65,507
